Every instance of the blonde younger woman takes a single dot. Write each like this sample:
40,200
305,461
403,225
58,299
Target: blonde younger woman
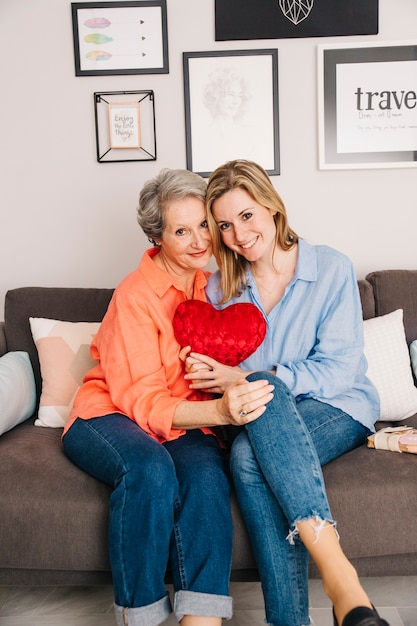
323,405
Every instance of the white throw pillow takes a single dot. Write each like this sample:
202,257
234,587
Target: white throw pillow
64,357
17,389
389,366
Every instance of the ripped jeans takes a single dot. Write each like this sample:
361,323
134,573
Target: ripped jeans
276,467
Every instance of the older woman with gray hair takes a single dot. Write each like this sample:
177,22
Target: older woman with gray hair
137,426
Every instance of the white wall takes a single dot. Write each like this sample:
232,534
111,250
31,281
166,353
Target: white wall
67,220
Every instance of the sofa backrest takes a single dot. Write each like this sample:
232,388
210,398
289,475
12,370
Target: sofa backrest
66,304
367,299
396,289
381,292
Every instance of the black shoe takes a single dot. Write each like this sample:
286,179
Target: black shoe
362,616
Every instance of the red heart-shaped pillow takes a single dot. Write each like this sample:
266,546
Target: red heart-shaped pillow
228,335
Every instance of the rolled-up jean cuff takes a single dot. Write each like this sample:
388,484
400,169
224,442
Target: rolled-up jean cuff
204,604
149,615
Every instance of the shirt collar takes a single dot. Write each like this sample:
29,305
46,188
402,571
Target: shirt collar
306,268
161,281
307,262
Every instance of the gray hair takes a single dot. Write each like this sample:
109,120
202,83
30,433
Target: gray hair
157,194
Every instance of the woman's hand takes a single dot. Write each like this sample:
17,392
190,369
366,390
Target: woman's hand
206,373
244,401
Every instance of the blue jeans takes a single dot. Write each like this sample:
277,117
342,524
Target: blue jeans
276,467
170,504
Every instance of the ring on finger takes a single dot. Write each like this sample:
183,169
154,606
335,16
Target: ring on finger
243,412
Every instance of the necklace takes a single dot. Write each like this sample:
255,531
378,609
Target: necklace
279,278
270,293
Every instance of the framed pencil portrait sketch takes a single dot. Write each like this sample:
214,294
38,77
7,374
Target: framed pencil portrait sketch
231,108
125,37
367,103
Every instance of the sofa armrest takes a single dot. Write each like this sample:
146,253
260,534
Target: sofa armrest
3,346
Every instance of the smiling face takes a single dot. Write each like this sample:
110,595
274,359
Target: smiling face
246,227
186,242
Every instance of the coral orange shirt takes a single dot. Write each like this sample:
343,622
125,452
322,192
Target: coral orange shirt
138,371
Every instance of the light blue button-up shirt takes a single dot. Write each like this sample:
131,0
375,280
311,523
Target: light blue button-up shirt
314,336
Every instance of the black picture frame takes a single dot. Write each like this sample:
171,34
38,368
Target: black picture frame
279,19
127,134
231,108
367,105
126,37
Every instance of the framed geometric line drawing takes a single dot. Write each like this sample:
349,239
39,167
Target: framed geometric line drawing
281,19
125,126
367,104
231,108
126,37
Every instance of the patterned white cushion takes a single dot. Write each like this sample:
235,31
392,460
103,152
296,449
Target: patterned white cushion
64,357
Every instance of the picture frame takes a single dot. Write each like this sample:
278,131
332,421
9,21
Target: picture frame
231,108
125,126
282,19
367,105
125,37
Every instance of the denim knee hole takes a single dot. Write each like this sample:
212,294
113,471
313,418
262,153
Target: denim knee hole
318,528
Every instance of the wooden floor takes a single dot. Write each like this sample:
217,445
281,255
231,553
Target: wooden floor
395,599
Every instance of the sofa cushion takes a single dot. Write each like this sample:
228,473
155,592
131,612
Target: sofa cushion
54,515
64,356
389,366
396,289
60,303
17,390
68,516
371,497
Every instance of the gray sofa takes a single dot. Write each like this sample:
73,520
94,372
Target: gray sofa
53,517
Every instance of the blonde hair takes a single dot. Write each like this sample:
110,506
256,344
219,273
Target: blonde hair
253,179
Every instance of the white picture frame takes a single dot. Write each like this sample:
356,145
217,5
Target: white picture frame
367,105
